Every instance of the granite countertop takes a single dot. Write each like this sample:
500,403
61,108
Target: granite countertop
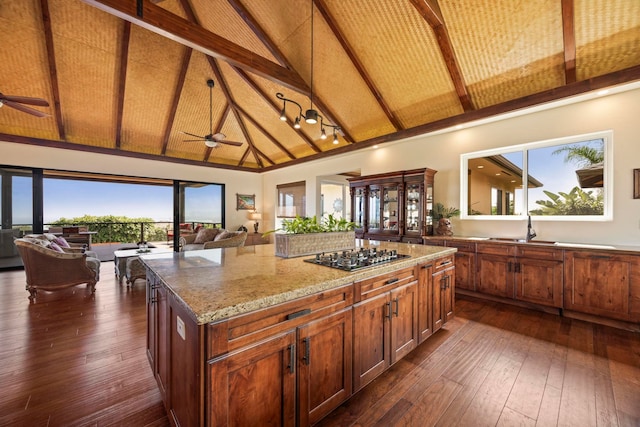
215,284
537,242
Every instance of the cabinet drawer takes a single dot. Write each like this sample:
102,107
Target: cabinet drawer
376,285
239,331
462,246
496,249
537,252
443,263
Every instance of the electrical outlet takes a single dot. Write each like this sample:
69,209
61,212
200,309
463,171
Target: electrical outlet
180,327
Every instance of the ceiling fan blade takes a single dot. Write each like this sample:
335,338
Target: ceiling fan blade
25,100
234,143
193,140
24,108
218,136
192,134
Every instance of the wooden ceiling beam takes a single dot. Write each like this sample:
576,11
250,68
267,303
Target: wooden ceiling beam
53,71
122,81
331,21
178,29
430,11
260,33
569,39
173,108
251,82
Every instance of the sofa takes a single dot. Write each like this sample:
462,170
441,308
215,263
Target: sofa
211,238
50,264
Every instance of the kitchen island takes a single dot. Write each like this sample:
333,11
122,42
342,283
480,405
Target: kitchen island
239,336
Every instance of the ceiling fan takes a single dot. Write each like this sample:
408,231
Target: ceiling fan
17,101
212,139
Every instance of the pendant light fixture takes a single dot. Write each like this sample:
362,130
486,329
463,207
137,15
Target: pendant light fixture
311,115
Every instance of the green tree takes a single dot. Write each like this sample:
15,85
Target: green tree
112,228
576,202
583,155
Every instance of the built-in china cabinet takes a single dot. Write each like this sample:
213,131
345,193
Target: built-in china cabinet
395,206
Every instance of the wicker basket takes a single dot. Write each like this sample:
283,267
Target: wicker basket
294,245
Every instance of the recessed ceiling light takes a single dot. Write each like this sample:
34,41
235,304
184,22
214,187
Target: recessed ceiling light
480,167
375,147
603,92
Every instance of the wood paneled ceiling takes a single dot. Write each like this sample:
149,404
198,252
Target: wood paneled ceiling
127,77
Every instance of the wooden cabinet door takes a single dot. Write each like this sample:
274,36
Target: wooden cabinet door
162,340
539,281
254,386
495,275
425,317
371,355
404,320
151,322
325,365
447,299
465,271
601,284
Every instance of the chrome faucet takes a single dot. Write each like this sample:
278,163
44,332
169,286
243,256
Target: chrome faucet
531,233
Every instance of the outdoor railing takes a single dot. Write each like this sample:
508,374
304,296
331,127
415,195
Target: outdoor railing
122,232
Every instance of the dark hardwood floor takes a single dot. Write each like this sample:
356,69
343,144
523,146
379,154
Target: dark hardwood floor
72,359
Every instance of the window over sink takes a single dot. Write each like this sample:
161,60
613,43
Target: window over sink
561,179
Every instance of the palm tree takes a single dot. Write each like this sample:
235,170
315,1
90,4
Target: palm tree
583,155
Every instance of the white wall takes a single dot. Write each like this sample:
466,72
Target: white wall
618,112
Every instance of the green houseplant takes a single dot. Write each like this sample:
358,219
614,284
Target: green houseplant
306,235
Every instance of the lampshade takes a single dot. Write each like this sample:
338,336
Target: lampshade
255,216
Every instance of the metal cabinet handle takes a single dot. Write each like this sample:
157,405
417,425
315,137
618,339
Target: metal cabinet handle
306,350
292,358
388,304
397,307
390,281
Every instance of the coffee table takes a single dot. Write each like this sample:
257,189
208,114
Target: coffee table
120,258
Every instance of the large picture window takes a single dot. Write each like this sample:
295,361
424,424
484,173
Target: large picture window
565,178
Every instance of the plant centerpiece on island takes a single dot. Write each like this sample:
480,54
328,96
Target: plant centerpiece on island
306,236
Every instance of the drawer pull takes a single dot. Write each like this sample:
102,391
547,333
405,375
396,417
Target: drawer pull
445,263
426,266
292,358
298,313
390,281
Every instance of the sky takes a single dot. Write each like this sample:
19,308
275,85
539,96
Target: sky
74,198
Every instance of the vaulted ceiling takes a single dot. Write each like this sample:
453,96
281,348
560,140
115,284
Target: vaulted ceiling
129,77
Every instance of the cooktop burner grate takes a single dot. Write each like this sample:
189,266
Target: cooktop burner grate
356,260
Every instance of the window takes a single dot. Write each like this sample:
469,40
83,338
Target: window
566,178
291,200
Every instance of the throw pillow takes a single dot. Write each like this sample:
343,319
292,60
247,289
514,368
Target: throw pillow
224,234
62,242
55,247
205,235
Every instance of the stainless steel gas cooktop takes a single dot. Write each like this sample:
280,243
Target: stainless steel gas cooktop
355,260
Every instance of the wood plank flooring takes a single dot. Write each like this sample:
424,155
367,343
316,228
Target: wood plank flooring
72,359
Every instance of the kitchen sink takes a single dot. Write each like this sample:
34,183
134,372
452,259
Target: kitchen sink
515,240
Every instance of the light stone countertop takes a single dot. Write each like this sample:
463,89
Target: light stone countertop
215,284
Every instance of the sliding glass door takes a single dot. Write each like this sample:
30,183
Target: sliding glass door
16,207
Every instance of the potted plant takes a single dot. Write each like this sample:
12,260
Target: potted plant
442,216
306,236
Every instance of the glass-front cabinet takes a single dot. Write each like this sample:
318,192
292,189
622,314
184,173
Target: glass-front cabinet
395,206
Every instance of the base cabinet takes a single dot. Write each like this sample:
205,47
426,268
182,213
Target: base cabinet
293,363
254,385
603,284
386,323
526,273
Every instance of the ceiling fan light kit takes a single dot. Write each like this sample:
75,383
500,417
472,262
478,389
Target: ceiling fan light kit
311,115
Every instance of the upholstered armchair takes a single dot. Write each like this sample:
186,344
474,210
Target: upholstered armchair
50,269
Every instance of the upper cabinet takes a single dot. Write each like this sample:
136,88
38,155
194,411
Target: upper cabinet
395,206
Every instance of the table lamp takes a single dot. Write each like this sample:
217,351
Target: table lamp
255,216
